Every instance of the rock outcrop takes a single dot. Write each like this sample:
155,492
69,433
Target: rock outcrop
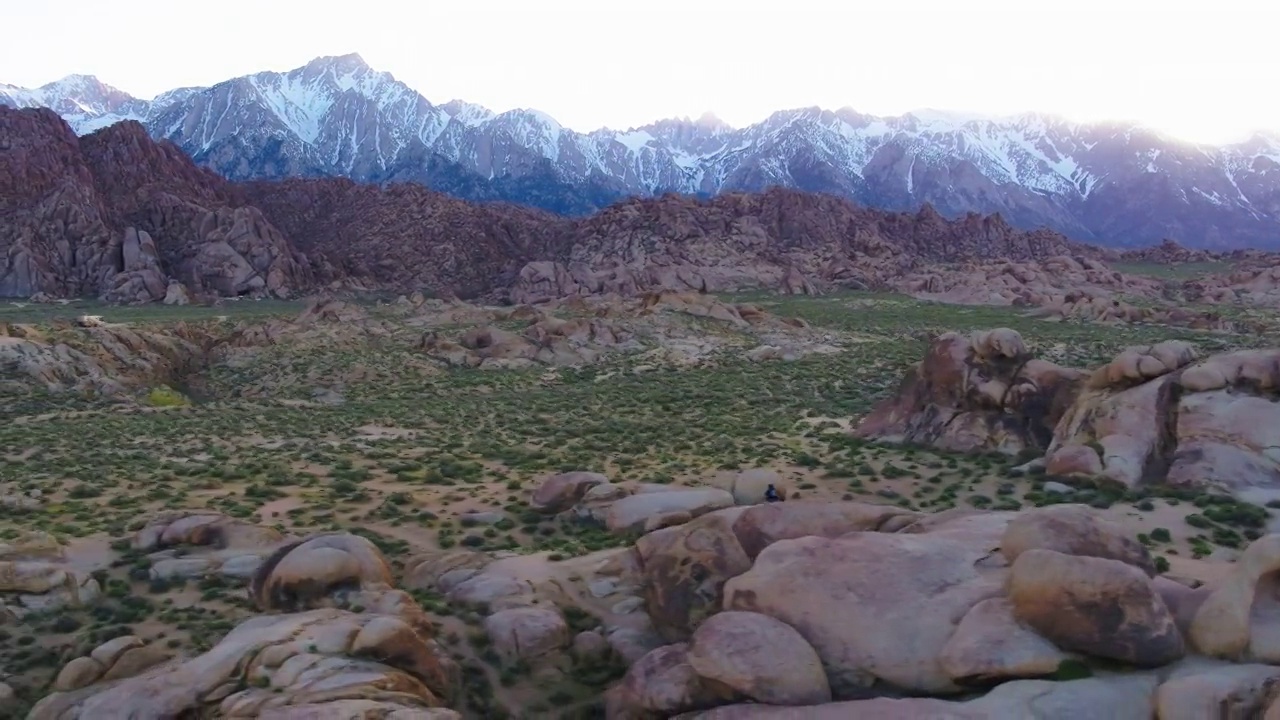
410,238
910,591
352,643
1089,306
1073,530
758,658
980,392
1169,252
1238,620
1253,281
546,340
118,658
1103,608
1160,415
35,577
1157,414
1029,282
311,664
302,573
187,544
562,491
685,568
102,359
800,609
117,215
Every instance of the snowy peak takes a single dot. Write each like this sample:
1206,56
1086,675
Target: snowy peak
342,72
685,133
85,92
1260,145
468,114
303,98
84,101
532,118
522,130
349,63
710,121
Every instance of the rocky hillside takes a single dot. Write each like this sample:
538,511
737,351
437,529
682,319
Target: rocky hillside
777,239
1113,184
117,215
406,237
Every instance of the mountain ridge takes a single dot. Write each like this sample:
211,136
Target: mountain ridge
1108,183
123,217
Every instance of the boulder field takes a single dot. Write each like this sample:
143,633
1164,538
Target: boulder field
336,639
725,609
1046,613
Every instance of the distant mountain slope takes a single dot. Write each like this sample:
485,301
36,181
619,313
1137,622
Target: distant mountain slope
335,116
118,215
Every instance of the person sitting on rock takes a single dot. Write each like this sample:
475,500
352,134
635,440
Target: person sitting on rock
771,494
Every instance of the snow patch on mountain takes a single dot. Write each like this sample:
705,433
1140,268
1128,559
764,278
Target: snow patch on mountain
635,140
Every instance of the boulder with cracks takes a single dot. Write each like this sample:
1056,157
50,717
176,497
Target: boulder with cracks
978,392
1155,414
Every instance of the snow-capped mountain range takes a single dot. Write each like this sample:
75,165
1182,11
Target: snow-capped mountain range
1111,183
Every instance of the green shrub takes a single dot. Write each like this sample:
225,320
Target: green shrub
165,396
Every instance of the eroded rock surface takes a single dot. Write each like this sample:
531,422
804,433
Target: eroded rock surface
560,492
661,684
1240,620
1157,414
630,513
1160,415
990,644
1104,608
875,606
685,569
117,215
978,392
527,633
35,577
276,663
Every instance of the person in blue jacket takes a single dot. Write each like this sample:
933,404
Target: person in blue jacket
771,494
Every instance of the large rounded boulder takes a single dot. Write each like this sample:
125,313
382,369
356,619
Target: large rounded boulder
300,574
877,607
759,659
1073,530
1099,607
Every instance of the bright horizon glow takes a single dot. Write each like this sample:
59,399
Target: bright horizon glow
1203,72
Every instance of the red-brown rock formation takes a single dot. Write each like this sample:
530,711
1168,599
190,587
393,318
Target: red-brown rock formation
407,237
776,239
117,215
976,393
1169,252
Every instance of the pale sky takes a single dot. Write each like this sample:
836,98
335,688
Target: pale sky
1205,72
